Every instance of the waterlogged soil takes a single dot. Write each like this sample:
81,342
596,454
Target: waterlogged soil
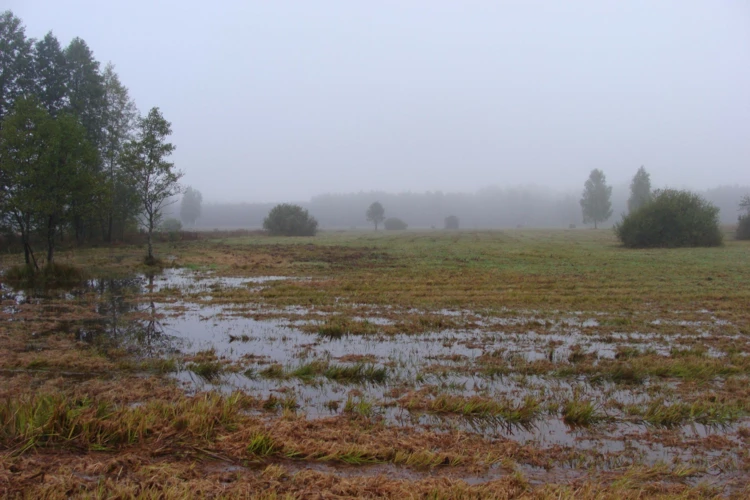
496,374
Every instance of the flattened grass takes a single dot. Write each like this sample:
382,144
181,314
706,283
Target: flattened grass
524,412
356,373
208,370
552,272
664,414
57,420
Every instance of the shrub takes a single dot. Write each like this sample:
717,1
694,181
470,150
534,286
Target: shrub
290,220
743,228
394,224
170,225
50,276
451,222
672,219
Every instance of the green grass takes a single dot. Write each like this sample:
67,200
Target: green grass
361,407
58,420
664,414
208,370
261,444
56,275
405,279
273,371
580,412
308,371
357,373
524,412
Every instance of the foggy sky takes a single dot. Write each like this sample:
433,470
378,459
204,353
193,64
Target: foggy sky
282,100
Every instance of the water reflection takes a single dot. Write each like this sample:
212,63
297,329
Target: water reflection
124,320
153,316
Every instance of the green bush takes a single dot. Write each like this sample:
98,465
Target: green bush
170,225
290,220
394,224
672,219
451,222
50,276
743,226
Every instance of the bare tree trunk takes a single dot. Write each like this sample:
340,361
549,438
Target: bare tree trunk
110,228
26,247
150,243
24,224
50,240
78,226
33,259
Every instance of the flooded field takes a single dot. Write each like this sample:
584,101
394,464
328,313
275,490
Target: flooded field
350,363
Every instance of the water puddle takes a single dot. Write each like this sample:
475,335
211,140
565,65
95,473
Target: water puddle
273,354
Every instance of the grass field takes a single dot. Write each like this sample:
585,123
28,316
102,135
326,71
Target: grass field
498,364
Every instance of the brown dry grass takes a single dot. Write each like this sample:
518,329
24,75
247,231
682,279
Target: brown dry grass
197,446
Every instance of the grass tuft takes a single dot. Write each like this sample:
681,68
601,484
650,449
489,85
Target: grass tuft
261,444
579,412
50,276
208,370
358,373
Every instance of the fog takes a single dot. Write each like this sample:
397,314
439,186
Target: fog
489,208
286,101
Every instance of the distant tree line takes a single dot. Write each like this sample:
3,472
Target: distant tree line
489,208
76,158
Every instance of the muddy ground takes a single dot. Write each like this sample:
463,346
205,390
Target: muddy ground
518,364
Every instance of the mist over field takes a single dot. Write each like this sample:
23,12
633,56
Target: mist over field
260,246
492,207
273,102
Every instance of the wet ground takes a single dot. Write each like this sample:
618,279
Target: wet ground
497,374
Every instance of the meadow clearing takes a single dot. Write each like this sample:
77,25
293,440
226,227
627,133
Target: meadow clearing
504,364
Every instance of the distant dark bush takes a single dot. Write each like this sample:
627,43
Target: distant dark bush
151,261
451,222
170,225
394,224
290,220
50,276
743,228
672,219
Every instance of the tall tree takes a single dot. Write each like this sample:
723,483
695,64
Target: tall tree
190,206
745,204
376,214
46,165
86,102
640,190
68,176
154,178
21,151
50,74
85,88
595,203
119,121
743,221
15,61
